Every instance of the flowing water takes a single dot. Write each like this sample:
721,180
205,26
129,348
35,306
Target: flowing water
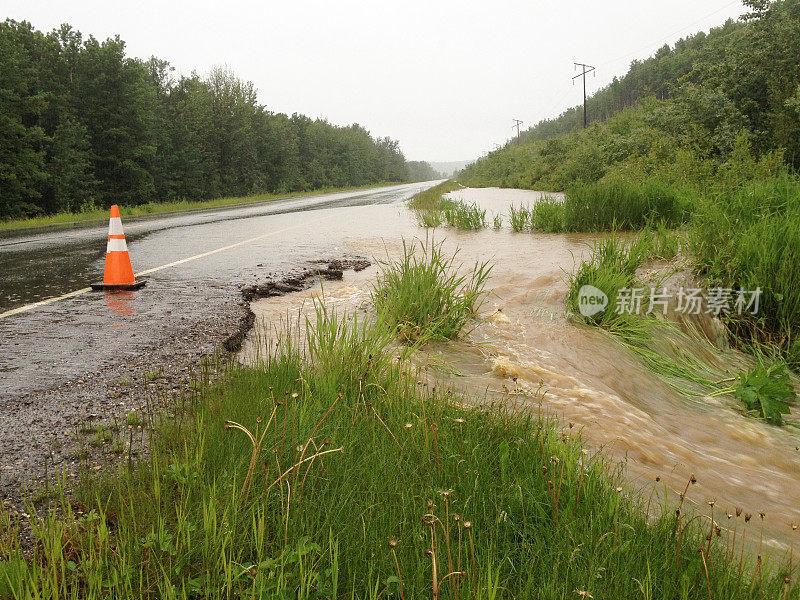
523,350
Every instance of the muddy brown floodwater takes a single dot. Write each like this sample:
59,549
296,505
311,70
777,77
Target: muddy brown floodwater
523,345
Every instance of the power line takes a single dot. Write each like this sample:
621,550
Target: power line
585,69
516,124
671,35
557,103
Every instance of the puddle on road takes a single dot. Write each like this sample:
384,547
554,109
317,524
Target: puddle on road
120,303
522,341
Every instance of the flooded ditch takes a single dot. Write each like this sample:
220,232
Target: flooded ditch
522,350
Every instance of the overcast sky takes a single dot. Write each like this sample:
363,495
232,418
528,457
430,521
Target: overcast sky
445,78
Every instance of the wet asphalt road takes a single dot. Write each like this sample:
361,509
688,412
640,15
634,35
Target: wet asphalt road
51,355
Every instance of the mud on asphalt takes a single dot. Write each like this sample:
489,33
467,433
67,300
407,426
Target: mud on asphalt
89,422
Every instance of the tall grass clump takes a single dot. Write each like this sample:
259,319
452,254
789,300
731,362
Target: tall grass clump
749,238
497,221
463,215
279,482
610,268
424,295
547,215
519,217
603,206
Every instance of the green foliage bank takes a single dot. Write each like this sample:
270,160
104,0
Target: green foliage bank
82,126
705,134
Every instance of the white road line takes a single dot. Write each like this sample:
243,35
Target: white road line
27,307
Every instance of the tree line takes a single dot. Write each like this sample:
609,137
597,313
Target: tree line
82,125
741,76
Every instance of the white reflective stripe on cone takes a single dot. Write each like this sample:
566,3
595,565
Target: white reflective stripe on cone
116,245
115,226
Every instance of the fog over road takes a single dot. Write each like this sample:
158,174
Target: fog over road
196,263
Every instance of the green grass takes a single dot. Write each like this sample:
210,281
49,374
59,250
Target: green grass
151,208
749,238
424,295
433,209
610,268
433,198
663,242
339,474
464,215
661,346
519,217
547,215
604,206
624,205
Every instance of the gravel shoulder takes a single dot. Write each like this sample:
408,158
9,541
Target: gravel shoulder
90,420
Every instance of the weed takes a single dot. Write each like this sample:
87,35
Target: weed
424,296
766,391
497,221
429,218
519,217
547,215
611,268
134,418
103,436
747,240
465,216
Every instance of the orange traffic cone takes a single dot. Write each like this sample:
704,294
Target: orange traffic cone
119,271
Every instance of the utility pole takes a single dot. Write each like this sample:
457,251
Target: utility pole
516,124
585,69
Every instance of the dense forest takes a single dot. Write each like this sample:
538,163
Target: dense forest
82,125
740,83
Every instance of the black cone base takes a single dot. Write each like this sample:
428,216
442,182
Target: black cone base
126,286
